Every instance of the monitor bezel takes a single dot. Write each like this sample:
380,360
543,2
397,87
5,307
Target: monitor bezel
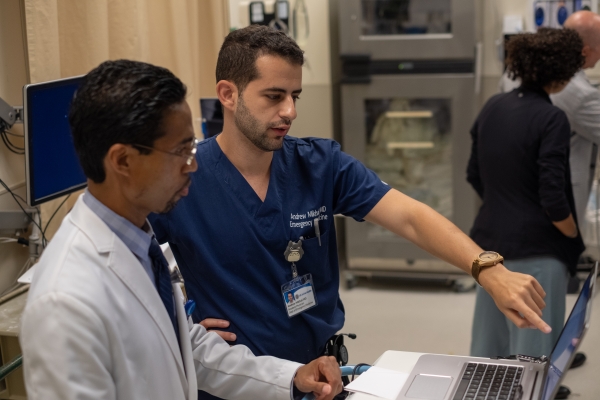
29,175
592,277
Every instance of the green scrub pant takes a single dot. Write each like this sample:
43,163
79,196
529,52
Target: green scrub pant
493,334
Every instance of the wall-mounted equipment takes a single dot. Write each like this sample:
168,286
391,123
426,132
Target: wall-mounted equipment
9,115
275,14
554,13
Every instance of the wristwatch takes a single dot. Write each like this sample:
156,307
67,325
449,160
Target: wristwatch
483,261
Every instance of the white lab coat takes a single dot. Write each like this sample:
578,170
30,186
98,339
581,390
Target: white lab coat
581,102
94,327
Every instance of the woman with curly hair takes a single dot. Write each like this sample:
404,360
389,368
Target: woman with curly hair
519,166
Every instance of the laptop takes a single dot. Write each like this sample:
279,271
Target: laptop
440,377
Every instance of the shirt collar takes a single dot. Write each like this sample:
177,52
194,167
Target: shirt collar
136,239
534,89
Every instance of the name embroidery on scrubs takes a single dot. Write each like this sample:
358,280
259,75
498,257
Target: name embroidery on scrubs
304,219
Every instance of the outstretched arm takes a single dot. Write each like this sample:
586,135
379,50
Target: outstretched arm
520,297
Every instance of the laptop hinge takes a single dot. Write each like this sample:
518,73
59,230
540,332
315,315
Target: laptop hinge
524,358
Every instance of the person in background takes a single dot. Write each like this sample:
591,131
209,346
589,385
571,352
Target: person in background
581,102
519,167
100,319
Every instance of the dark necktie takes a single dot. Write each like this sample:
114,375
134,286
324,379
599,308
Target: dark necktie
162,280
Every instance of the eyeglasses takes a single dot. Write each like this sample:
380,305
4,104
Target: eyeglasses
187,152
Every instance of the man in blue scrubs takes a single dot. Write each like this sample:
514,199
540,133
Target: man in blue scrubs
257,193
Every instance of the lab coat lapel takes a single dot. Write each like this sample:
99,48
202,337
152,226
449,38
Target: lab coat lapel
121,261
129,270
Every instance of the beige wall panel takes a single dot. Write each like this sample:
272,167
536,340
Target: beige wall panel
317,69
212,27
314,112
127,20
83,35
42,39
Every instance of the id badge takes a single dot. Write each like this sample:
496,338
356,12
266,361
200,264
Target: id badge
299,295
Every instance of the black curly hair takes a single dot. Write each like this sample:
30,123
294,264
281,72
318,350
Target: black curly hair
546,57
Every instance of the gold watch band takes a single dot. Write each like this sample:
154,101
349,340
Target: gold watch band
475,270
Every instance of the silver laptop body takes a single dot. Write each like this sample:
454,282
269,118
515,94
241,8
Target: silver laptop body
440,377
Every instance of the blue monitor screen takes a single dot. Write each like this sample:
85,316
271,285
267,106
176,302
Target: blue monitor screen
53,166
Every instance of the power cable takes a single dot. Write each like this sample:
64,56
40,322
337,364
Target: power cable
10,145
14,196
53,214
13,134
357,367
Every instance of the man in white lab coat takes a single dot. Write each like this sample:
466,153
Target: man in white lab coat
581,102
100,320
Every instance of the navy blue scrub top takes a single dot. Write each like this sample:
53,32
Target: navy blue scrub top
229,245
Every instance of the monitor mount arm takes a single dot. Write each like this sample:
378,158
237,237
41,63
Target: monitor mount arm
10,115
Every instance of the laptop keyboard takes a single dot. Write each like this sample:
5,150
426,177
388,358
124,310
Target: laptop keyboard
489,382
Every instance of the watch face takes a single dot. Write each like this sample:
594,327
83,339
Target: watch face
489,256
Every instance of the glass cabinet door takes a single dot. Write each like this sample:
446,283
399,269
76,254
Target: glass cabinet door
413,132
409,146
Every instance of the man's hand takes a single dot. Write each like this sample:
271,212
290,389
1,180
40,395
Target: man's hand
322,377
211,323
520,297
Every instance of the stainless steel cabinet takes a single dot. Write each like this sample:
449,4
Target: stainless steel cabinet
413,131
408,92
407,29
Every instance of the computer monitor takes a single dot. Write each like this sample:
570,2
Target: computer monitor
212,116
51,164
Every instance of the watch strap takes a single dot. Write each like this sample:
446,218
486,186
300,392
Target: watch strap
478,266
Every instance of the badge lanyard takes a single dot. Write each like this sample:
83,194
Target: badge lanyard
299,293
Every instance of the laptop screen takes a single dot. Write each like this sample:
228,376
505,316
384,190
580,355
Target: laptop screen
570,336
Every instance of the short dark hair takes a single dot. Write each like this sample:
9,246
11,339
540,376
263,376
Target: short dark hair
120,101
241,48
545,57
